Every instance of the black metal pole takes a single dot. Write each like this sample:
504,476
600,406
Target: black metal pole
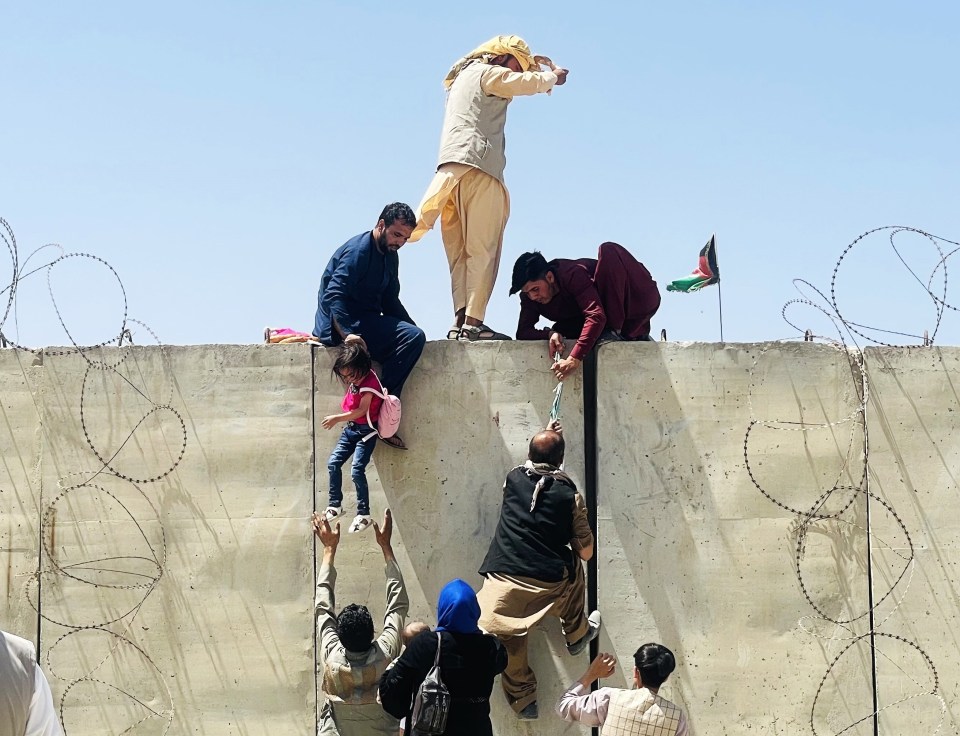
869,545
720,303
590,468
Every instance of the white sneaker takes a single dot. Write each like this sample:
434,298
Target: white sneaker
332,512
360,522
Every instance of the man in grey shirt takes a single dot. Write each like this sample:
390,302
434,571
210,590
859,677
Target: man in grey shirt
353,661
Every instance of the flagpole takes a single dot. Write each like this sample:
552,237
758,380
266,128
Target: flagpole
720,302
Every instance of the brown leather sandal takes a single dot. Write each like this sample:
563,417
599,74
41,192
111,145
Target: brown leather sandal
395,442
473,333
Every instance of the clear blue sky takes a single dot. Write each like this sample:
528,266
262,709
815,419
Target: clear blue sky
217,153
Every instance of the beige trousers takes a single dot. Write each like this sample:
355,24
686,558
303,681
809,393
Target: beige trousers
510,606
473,208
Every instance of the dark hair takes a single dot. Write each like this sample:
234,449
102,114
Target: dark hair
355,628
547,447
352,356
655,663
529,267
398,211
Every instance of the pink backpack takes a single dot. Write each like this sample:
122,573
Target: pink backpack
389,420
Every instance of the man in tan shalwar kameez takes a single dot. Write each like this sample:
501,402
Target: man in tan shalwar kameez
467,193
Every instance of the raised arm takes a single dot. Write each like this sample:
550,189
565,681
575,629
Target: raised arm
398,603
581,705
501,82
325,601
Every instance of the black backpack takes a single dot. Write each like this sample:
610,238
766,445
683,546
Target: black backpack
431,704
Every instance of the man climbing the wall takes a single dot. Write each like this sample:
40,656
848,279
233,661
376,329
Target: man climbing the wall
610,297
359,299
467,193
533,568
353,661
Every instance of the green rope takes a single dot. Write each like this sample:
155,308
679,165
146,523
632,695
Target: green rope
557,393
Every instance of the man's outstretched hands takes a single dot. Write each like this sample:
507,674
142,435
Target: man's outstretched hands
329,537
384,534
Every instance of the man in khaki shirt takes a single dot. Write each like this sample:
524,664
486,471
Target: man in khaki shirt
467,193
352,661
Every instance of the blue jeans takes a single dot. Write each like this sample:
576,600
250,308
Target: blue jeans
350,444
395,344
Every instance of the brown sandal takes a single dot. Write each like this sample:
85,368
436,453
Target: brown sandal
473,333
395,442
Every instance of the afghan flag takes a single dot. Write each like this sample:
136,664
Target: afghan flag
708,272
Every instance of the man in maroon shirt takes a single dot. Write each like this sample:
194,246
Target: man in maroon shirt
610,297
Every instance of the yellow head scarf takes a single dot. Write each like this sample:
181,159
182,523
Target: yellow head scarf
497,46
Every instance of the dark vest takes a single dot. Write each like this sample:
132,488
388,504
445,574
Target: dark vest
533,545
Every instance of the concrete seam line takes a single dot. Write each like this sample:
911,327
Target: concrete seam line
313,504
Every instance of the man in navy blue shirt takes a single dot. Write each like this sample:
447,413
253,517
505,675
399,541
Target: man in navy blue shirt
359,298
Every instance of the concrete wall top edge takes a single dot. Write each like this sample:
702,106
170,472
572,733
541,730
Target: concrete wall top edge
517,345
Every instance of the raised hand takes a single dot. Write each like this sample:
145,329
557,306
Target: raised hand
329,537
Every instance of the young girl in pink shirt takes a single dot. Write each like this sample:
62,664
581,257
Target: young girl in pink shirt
361,409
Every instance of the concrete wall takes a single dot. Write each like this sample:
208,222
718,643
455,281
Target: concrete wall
189,581
913,418
174,586
20,507
695,556
469,412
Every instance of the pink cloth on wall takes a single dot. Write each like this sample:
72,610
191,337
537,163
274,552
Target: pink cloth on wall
274,335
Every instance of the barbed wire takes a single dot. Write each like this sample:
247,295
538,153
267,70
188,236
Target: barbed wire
848,330
845,341
117,491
